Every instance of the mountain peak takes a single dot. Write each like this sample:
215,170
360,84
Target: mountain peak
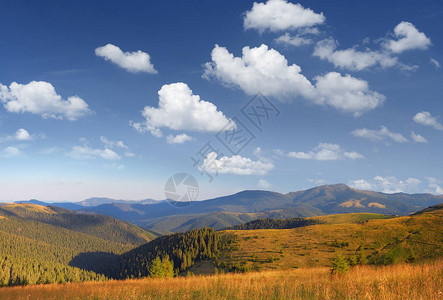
337,186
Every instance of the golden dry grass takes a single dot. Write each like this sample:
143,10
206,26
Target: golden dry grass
392,282
349,218
313,246
31,207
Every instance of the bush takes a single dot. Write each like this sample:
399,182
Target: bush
339,264
161,268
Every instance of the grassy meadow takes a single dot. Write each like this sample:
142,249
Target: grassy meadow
401,281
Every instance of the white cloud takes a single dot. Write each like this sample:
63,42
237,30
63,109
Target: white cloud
10,152
296,40
112,144
116,144
40,97
264,184
179,139
234,165
347,93
418,138
379,135
179,109
389,184
425,118
131,61
267,71
361,184
434,186
83,153
259,70
22,135
278,15
435,63
326,151
408,38
352,59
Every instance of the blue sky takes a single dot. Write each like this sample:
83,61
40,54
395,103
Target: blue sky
111,98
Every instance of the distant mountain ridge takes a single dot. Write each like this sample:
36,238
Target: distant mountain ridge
245,206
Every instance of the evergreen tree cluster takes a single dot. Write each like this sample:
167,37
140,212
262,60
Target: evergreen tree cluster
41,245
183,249
275,224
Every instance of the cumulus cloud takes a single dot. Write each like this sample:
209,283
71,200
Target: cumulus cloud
389,184
134,62
259,70
418,138
361,184
425,118
179,139
278,15
347,93
408,38
267,71
379,135
40,97
21,135
234,165
84,153
326,151
352,59
434,186
179,109
10,152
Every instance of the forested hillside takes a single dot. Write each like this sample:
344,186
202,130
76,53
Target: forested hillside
183,249
275,224
48,244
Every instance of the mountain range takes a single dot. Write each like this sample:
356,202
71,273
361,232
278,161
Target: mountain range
160,217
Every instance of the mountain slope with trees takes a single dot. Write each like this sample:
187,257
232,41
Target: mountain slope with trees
48,244
248,205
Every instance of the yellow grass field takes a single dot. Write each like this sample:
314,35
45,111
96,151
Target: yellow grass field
404,281
312,246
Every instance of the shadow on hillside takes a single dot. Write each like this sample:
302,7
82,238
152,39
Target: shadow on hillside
93,261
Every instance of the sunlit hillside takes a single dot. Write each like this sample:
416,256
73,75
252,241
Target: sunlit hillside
403,281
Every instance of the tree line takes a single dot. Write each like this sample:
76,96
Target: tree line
275,224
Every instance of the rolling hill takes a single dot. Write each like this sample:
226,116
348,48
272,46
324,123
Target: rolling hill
41,244
161,217
365,238
384,241
248,205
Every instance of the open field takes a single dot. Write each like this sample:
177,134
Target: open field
349,218
403,281
316,245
